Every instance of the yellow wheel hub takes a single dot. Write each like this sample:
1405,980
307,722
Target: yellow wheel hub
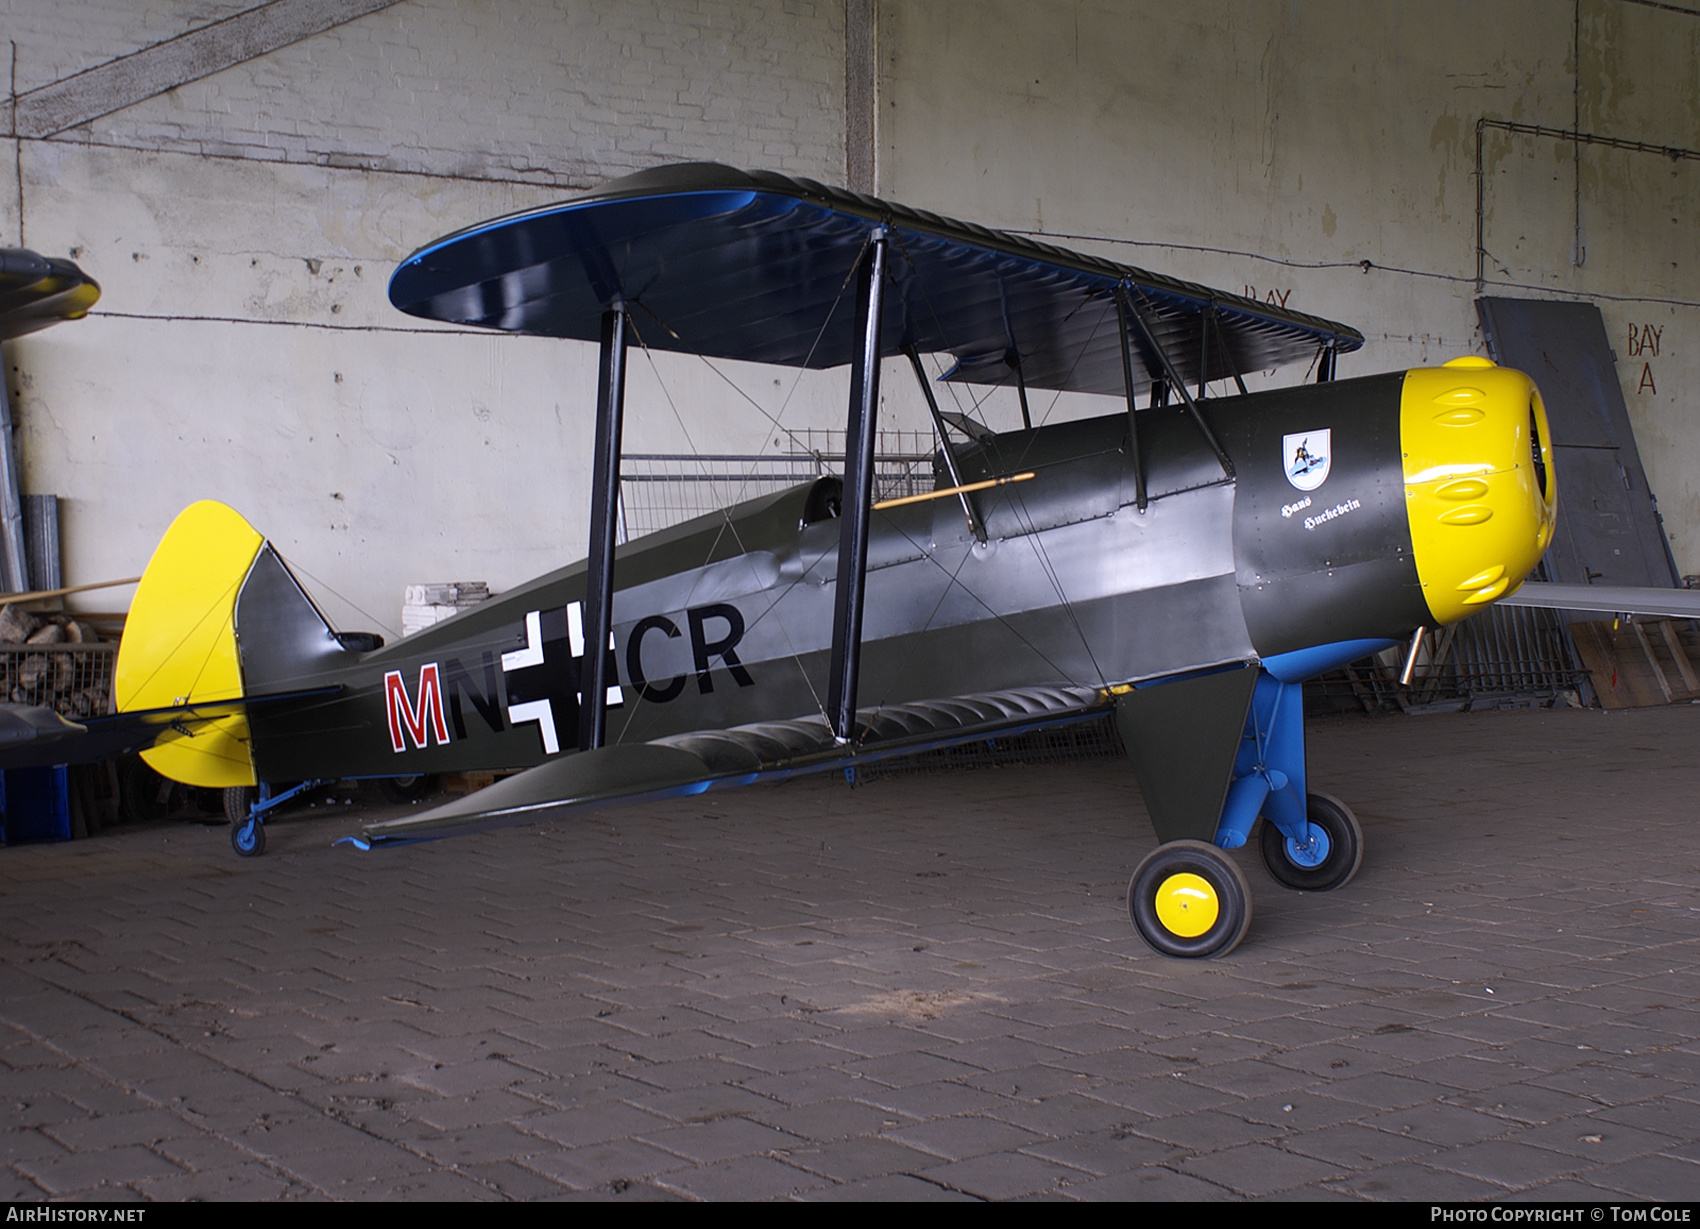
1187,905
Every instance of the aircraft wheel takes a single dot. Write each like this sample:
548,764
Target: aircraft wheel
143,794
1335,851
237,800
248,838
1188,899
406,789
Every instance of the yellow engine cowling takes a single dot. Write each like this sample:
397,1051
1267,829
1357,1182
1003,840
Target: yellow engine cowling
1480,492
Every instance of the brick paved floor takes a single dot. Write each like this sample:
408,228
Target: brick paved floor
922,988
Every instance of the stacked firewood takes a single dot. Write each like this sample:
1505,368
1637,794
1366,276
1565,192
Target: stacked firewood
37,665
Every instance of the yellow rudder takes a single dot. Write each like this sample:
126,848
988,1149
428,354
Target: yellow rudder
179,643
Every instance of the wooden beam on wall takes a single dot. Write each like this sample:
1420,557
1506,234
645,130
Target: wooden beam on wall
154,70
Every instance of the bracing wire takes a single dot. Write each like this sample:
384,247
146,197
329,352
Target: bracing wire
346,600
728,525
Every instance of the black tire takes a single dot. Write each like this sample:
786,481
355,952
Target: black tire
143,794
1162,904
1345,848
237,800
248,838
202,805
401,790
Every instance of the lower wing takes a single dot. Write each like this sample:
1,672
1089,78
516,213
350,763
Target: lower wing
1608,599
684,764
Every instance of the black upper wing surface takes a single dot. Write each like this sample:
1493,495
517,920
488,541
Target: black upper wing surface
36,291
754,266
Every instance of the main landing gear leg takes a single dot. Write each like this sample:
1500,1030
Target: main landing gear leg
1187,898
1212,754
1315,845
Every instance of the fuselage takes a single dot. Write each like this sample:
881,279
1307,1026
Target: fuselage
1323,537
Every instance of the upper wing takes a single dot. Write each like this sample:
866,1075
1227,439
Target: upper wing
36,291
752,265
770,750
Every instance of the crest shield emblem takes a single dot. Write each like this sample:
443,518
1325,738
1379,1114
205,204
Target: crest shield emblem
1307,457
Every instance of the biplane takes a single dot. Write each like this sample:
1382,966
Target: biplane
1181,562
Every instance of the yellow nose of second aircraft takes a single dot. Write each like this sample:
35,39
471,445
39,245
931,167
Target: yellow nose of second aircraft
1479,485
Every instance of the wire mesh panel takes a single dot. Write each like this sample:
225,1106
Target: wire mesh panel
1505,655
1511,651
658,490
75,680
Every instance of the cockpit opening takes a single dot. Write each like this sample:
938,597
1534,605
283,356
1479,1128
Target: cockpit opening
825,500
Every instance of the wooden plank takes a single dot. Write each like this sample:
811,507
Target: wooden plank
164,66
1620,674
1652,661
1674,643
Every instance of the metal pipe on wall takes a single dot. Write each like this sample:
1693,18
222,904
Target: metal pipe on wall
14,566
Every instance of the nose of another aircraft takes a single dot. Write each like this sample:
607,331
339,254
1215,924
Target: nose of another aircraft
1479,487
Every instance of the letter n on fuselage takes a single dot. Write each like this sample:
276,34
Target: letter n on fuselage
415,721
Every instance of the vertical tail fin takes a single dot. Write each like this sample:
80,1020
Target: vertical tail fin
217,617
179,643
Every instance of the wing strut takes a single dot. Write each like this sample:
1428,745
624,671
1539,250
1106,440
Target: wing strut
949,452
1012,360
1325,364
857,506
1173,378
1227,354
1122,312
594,673
1203,351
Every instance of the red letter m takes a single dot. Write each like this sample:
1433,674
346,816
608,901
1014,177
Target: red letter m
405,716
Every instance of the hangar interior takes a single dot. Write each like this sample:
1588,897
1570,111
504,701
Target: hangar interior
242,179
1322,156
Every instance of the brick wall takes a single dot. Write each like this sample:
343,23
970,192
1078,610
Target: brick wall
565,93
244,225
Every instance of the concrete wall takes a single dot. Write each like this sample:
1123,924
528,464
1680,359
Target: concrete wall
1324,153
243,227
244,223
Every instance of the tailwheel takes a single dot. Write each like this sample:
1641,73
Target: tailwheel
1188,899
248,838
247,834
1331,856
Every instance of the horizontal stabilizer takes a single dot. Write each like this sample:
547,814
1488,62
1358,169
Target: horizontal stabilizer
34,724
57,741
770,750
1608,599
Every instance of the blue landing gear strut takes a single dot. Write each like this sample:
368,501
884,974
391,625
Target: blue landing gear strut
247,831
1212,752
1311,842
